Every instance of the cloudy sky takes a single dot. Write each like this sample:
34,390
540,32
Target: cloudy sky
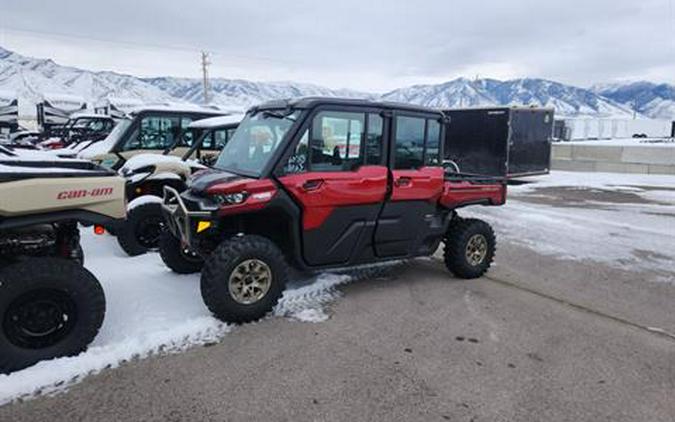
372,45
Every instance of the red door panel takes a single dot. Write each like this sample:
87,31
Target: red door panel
424,184
321,192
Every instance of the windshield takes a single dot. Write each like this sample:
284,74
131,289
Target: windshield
254,142
104,146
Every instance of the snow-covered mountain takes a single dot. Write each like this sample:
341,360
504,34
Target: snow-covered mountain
567,100
654,100
32,78
244,93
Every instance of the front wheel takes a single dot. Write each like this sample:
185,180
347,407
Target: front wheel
139,233
49,307
244,278
177,257
469,247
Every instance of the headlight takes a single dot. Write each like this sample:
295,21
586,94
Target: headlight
230,198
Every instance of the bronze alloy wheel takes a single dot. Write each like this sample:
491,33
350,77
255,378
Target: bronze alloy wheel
476,249
250,281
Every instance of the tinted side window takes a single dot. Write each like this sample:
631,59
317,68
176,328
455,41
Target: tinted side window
335,143
374,140
208,135
433,140
154,132
220,138
409,151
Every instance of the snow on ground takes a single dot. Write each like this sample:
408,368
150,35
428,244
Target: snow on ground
150,310
617,219
622,220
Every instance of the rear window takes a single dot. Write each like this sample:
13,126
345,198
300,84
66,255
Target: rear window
417,142
409,142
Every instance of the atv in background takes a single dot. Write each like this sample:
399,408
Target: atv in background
323,183
147,130
50,305
148,174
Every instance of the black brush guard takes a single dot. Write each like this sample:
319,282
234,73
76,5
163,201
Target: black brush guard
179,220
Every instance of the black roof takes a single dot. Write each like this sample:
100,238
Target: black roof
310,102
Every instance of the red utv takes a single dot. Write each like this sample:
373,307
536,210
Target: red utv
321,184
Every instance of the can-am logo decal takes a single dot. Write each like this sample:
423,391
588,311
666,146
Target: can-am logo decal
83,193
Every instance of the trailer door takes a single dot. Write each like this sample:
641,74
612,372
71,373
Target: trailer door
530,142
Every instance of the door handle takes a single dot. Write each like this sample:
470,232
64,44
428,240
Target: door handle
312,184
403,181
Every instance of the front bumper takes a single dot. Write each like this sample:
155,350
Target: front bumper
179,219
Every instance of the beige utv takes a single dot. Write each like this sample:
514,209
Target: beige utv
50,305
146,130
148,174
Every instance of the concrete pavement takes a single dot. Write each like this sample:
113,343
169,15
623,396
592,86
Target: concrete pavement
420,346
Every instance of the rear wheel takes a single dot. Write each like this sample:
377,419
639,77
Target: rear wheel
49,308
140,232
244,278
469,247
177,257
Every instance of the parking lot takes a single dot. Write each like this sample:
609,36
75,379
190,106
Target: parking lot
574,322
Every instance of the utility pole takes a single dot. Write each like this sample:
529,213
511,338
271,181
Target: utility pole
205,75
634,109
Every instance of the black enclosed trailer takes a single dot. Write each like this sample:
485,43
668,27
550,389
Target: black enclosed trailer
500,141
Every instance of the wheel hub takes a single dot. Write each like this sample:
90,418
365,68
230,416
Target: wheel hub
250,281
476,249
148,231
39,318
